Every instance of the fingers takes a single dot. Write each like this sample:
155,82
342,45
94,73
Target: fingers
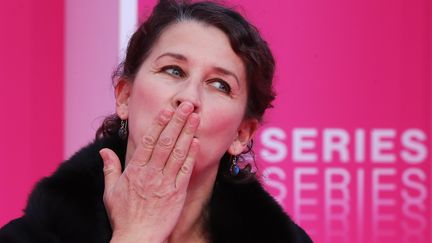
112,167
169,145
181,148
144,151
185,172
168,137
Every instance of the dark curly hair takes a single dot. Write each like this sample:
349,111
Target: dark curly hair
244,38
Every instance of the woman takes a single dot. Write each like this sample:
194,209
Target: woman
195,83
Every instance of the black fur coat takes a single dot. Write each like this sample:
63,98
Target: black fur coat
68,207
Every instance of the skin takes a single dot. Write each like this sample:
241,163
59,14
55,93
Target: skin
185,109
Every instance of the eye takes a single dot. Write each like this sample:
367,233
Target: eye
174,71
221,85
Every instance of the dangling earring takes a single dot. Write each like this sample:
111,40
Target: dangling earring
123,131
234,169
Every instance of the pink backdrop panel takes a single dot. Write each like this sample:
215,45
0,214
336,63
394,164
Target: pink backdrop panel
57,59
346,150
31,65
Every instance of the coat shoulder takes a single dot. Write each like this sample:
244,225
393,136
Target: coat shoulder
245,212
65,205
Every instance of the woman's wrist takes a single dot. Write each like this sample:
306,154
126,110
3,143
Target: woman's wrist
133,238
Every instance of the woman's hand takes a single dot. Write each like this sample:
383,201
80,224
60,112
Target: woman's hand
145,201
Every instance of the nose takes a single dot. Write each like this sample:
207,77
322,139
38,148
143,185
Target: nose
190,92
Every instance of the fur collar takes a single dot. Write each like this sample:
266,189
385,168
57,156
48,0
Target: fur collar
68,207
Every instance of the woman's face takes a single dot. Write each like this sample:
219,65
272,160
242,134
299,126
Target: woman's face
191,62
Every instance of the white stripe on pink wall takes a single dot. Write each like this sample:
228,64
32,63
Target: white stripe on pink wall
91,56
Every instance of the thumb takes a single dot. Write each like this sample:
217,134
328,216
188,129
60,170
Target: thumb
111,168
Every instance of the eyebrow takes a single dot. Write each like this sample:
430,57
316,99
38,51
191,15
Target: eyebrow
180,57
173,55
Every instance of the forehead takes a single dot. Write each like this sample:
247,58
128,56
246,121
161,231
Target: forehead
200,43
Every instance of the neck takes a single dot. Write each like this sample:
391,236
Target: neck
190,226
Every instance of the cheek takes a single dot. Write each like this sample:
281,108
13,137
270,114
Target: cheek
222,124
218,131
144,105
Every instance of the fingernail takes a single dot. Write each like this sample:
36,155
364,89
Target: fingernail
195,142
105,158
186,107
102,154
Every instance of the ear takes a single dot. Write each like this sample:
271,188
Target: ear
122,94
245,133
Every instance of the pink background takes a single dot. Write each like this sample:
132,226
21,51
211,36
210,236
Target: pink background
348,72
31,67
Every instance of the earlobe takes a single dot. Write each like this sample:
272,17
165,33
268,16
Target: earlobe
122,93
245,134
